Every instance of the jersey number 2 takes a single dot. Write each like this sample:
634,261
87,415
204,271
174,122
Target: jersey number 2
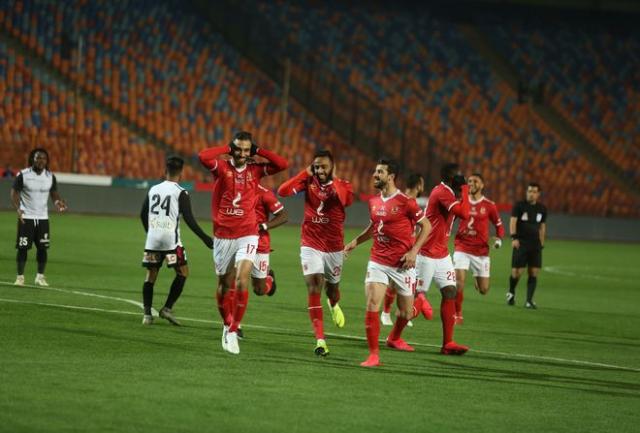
165,205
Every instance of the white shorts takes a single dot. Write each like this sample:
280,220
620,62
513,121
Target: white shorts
225,250
480,265
439,270
260,266
319,262
403,279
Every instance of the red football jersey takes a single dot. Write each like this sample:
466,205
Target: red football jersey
234,196
438,211
324,210
266,205
473,233
393,219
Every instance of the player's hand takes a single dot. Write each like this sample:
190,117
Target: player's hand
20,214
60,205
497,243
208,241
254,149
349,247
409,260
309,170
515,243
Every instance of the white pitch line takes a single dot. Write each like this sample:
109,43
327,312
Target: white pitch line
287,330
559,271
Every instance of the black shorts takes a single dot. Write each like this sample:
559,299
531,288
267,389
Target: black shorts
33,231
526,256
174,258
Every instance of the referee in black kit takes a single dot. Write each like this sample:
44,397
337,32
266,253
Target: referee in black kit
528,228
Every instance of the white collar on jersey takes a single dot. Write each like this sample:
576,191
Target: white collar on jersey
233,163
476,201
384,199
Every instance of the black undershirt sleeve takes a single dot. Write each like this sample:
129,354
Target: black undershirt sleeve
18,182
144,214
54,184
185,210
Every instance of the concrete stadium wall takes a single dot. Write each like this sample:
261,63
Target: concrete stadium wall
128,201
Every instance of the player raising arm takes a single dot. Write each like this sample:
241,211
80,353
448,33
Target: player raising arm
393,256
472,242
233,203
322,241
160,217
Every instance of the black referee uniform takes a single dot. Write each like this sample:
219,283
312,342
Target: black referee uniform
529,219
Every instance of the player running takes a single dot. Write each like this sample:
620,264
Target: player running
434,262
160,217
322,241
262,276
30,194
472,242
393,256
414,189
233,203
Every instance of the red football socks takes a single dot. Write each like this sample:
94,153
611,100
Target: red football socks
315,314
372,327
220,300
447,313
389,297
459,300
242,300
230,305
398,326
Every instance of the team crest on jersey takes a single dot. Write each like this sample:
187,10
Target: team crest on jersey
228,174
483,210
395,209
524,217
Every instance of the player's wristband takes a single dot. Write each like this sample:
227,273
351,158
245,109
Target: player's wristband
264,227
514,236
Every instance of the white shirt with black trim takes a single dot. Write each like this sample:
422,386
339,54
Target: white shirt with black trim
164,217
34,189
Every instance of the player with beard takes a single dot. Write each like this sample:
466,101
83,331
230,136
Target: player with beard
233,202
472,242
394,217
322,240
434,261
30,194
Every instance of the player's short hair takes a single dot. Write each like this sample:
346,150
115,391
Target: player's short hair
243,136
413,180
32,156
392,165
535,185
323,153
478,175
448,171
174,165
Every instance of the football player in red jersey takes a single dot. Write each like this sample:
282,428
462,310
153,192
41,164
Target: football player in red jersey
434,261
393,256
472,242
322,241
414,189
263,277
233,203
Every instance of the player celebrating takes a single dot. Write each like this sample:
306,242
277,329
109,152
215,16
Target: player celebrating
233,203
322,241
472,242
30,195
528,227
434,262
414,189
393,256
160,217
262,276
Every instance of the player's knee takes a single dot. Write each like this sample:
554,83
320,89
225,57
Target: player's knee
483,289
183,271
449,292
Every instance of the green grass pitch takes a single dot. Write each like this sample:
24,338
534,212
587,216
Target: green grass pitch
76,357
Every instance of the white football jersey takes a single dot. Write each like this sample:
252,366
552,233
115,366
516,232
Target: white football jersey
34,193
164,217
